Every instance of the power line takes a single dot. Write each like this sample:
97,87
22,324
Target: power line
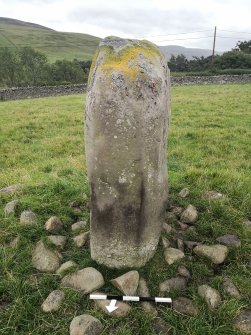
237,32
192,32
184,39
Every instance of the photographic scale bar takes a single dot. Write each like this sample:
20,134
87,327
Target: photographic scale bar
129,298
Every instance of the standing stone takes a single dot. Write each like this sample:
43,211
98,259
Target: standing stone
126,120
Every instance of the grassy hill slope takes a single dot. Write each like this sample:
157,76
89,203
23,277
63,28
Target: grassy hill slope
56,45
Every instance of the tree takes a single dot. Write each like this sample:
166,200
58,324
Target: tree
233,60
9,67
178,63
65,72
244,46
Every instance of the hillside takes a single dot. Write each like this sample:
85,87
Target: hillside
175,50
56,45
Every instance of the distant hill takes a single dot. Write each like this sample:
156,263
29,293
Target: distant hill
61,45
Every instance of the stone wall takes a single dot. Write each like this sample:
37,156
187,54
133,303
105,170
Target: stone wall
47,91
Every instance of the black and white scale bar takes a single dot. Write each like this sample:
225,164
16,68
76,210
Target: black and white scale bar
129,298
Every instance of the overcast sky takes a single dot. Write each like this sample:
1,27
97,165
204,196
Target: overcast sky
164,22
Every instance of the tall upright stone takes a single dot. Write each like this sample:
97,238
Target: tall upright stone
126,121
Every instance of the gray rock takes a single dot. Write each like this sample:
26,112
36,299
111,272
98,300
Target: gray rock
10,207
65,267
210,295
143,291
184,193
216,253
184,272
177,211
243,322
28,218
44,259
127,111
53,302
185,306
81,239
79,225
182,226
173,255
167,228
165,242
122,310
247,224
127,283
180,244
191,244
11,189
190,215
230,289
170,217
53,224
161,327
58,240
85,325
229,240
85,281
212,195
173,284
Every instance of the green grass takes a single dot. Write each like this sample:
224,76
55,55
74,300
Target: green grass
55,45
42,147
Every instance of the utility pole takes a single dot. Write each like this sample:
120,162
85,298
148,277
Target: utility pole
214,47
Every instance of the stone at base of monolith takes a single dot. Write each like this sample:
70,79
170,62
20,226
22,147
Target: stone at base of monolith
127,112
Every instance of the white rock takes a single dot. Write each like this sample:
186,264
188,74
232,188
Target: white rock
190,215
28,218
67,266
127,283
85,325
81,239
58,240
53,302
44,259
216,253
210,295
53,224
173,255
10,207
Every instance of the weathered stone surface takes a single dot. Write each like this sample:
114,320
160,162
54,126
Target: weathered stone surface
183,271
122,310
247,224
127,283
161,327
210,295
173,284
143,291
184,193
53,302
11,189
79,225
229,240
53,224
58,240
85,325
243,322
81,239
44,259
185,306
10,207
127,111
28,218
190,215
230,289
167,228
173,255
213,195
85,281
65,267
216,253
165,242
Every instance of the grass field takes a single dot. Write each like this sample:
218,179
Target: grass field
42,148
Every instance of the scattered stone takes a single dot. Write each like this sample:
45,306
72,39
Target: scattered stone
58,240
81,239
53,302
11,189
212,195
173,255
216,253
184,272
127,283
85,325
184,193
74,204
143,291
53,224
15,242
167,228
190,215
79,225
173,284
182,226
165,242
161,327
85,281
44,259
243,322
10,207
122,310
170,217
229,240
177,211
180,244
185,306
210,295
28,218
230,289
65,267
191,244
247,224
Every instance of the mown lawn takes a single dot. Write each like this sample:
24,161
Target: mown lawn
42,148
